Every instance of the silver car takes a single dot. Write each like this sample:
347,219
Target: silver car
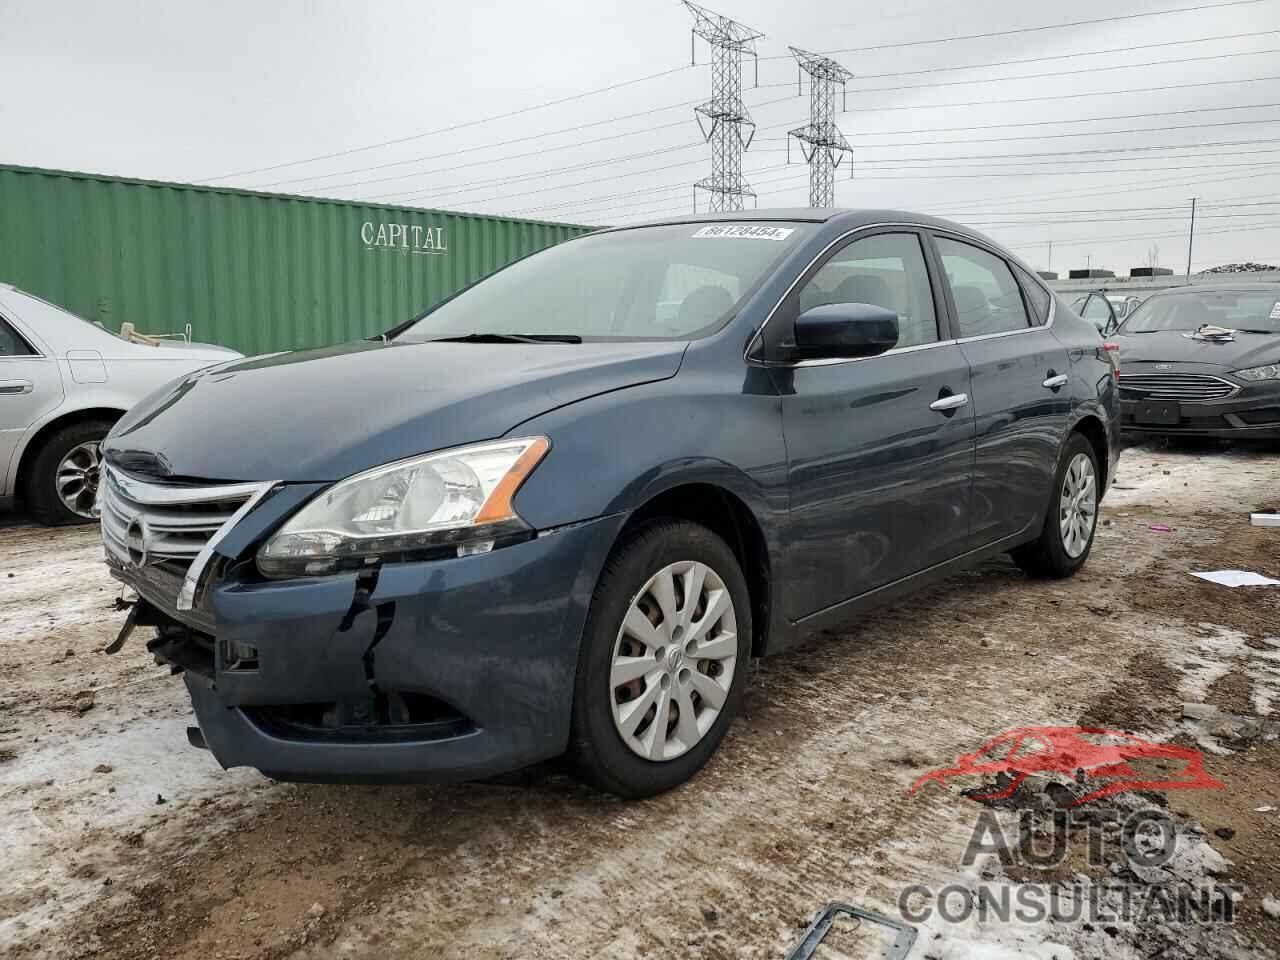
63,383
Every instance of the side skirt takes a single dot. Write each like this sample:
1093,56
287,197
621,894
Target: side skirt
847,610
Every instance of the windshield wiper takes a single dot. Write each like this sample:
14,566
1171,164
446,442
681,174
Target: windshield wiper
510,338
1247,330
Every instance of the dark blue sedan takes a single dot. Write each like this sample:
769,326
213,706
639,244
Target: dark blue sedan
557,514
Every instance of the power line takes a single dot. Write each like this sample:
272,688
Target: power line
1062,96
1061,173
1081,133
469,123
498,159
492,146
625,158
1065,56
580,183
1078,241
1018,224
534,175
1021,30
1067,73
644,205
1055,157
463,166
608,202
644,113
1041,123
1095,151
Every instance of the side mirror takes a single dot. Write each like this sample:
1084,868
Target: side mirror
845,330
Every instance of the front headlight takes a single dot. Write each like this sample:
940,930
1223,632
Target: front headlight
458,500
1269,372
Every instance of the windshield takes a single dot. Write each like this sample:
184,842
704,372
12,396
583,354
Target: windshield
668,282
1257,311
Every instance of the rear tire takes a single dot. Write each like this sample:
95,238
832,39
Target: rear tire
1066,539
64,472
670,591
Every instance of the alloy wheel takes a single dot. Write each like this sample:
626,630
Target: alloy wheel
1078,505
77,478
673,661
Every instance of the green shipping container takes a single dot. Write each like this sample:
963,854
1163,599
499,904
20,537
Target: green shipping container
258,272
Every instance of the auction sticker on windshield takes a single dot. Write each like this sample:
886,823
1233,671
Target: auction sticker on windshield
743,231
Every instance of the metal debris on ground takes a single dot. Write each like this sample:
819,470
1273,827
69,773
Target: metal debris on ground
1255,519
904,935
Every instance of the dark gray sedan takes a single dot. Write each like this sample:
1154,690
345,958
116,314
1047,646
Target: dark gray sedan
1203,361
558,513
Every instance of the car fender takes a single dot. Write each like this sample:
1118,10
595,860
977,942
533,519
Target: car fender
655,437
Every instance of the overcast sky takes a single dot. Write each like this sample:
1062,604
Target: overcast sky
197,92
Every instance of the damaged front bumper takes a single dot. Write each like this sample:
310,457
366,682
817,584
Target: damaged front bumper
441,670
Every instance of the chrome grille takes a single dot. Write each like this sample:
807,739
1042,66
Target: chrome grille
146,523
1188,387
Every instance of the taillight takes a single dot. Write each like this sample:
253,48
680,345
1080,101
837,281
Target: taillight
1113,354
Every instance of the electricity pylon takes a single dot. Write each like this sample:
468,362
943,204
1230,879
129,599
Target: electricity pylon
724,120
821,142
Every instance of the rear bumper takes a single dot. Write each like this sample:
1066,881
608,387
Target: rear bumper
491,641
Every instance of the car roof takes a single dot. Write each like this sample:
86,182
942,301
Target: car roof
835,218
850,216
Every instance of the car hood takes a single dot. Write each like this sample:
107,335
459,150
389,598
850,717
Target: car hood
322,415
1174,346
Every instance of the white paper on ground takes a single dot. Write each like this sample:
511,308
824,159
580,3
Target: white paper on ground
1237,578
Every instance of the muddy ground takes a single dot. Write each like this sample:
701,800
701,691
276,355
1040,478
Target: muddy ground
122,841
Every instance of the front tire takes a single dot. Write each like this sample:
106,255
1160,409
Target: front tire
1069,527
664,658
62,483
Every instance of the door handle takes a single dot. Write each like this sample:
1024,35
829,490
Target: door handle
1056,380
9,387
952,401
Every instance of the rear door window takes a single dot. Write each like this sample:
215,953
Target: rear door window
1037,296
986,296
11,342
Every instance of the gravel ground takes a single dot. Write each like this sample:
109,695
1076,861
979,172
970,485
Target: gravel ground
122,841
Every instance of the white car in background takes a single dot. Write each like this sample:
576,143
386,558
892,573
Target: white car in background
63,382
1105,311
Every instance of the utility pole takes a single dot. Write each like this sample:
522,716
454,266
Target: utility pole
821,142
724,120
1049,266
1191,236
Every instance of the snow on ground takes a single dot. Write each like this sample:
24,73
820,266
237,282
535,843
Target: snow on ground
806,803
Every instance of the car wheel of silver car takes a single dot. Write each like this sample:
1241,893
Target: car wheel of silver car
1067,536
663,662
62,482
